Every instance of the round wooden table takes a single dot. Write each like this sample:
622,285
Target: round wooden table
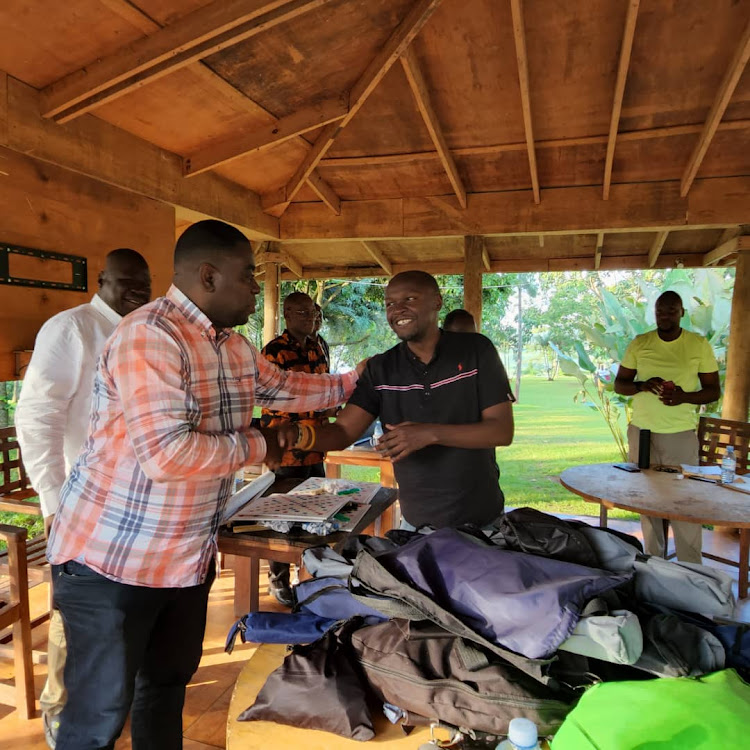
266,735
664,495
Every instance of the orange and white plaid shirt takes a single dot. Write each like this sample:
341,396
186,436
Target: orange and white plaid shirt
173,400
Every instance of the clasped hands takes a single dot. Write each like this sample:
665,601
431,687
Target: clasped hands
669,393
401,440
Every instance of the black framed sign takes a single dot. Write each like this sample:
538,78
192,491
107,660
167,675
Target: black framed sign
24,266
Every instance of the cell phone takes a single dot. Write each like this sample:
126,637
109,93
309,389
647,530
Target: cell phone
630,467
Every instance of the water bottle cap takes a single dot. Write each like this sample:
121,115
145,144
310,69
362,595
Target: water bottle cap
730,449
522,733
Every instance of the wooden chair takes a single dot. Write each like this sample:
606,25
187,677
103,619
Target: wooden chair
14,614
15,496
714,435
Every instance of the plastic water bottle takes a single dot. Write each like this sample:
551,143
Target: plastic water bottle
239,480
728,466
522,735
377,433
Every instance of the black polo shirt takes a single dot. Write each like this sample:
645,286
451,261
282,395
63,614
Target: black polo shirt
440,485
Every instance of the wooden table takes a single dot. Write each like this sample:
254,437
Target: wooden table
266,735
288,548
663,495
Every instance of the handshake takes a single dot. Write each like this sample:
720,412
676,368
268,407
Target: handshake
281,438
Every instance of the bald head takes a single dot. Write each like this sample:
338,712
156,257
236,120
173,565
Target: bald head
418,279
214,267
125,282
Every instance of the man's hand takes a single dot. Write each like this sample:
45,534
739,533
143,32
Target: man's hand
360,368
653,385
401,440
48,521
287,435
275,450
673,396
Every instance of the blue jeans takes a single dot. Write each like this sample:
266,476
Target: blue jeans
130,649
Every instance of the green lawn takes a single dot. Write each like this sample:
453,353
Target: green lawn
552,433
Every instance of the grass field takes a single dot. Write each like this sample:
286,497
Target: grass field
552,433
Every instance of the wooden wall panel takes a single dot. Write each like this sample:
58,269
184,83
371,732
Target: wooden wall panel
49,208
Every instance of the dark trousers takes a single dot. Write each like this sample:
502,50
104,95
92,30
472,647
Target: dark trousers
279,571
127,646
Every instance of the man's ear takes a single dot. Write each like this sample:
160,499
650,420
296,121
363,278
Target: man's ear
207,274
439,302
101,278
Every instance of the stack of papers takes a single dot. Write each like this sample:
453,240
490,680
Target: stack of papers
703,472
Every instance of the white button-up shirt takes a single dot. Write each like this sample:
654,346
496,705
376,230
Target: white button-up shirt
52,415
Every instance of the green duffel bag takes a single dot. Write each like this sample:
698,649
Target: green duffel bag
678,713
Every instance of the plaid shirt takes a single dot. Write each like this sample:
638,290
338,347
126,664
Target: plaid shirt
173,400
289,354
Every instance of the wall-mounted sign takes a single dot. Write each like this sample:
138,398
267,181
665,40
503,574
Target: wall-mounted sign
24,266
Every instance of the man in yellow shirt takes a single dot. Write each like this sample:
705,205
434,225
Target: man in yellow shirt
676,370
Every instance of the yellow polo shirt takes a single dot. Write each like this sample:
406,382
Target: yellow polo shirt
679,361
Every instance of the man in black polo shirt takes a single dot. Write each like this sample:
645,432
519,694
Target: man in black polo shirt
445,403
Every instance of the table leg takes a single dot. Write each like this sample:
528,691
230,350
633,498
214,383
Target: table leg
387,477
246,585
744,562
602,516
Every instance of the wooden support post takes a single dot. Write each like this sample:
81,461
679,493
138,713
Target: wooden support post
737,384
271,284
473,265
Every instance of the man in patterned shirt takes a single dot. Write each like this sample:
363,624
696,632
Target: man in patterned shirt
296,349
133,543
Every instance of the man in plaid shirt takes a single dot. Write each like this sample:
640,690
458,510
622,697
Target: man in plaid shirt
134,538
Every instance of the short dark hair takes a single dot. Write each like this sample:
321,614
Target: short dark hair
670,296
297,297
420,278
205,241
456,317
125,256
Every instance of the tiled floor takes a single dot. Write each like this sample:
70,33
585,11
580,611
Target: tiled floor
209,693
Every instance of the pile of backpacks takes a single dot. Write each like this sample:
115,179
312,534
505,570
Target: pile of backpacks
556,621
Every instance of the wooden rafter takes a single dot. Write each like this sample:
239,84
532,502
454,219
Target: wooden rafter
389,53
284,129
292,263
325,192
598,251
421,93
638,206
519,34
622,74
379,257
656,247
719,106
94,148
486,257
195,36
730,247
502,148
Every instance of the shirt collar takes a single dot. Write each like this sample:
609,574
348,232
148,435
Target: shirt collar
195,315
102,307
414,359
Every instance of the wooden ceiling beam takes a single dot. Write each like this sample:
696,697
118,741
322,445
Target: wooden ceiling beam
292,263
719,106
193,37
379,257
656,247
622,74
592,140
486,260
286,128
389,53
325,192
421,93
506,265
730,247
645,206
103,152
519,34
598,251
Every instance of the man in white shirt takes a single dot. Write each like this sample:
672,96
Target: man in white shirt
52,416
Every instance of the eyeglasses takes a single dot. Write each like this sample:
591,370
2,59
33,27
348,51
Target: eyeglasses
303,313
